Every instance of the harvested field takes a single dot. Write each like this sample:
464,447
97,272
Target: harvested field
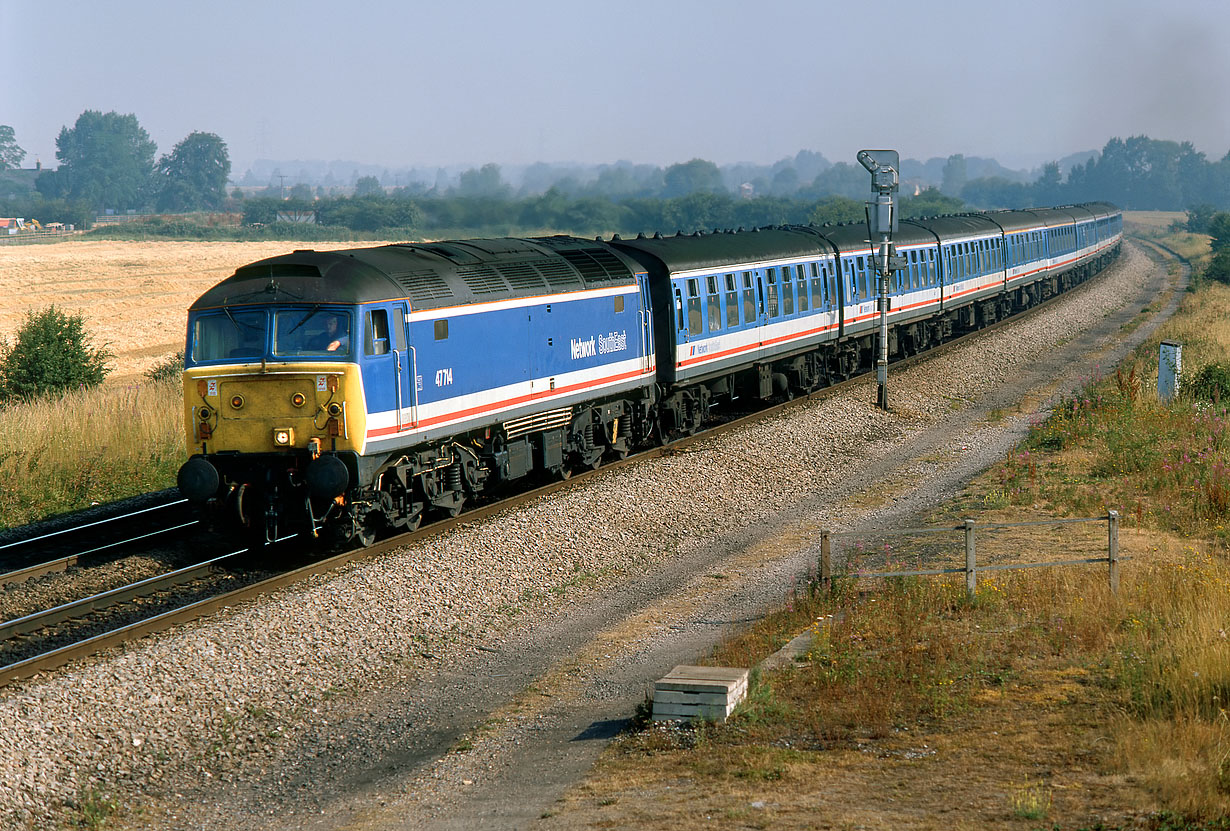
134,295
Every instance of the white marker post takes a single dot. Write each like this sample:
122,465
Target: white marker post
1169,368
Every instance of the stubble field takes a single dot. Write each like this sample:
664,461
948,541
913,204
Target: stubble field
134,295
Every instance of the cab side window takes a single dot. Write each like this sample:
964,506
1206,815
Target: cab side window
377,332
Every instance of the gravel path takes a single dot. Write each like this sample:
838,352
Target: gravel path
333,703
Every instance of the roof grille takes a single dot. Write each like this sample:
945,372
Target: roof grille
424,286
521,275
482,279
595,264
558,274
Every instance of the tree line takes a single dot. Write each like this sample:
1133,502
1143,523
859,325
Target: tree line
107,161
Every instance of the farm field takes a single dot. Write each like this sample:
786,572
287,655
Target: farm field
134,294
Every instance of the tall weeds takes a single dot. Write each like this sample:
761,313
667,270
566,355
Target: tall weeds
64,453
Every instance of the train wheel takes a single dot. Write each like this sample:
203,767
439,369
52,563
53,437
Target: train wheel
365,531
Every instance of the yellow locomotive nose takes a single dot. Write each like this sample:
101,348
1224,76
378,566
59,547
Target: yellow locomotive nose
262,412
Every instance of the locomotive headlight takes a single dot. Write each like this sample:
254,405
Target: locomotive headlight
298,399
283,436
204,414
335,409
237,401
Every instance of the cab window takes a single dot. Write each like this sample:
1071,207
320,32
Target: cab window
223,336
298,332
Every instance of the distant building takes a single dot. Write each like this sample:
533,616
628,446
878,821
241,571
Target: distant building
297,217
11,224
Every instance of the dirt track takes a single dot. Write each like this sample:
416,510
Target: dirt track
134,295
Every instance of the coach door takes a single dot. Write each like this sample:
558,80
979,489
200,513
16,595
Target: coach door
646,321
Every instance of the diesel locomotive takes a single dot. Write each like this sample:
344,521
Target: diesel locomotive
346,392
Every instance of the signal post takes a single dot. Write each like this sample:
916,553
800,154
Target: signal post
884,167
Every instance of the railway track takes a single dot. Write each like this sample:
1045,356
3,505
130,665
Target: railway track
32,552
160,617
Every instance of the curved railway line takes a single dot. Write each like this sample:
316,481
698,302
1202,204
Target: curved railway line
187,593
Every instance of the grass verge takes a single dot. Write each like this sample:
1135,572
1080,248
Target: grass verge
61,454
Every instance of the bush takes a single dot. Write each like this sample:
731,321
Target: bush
1218,268
168,369
1210,383
52,354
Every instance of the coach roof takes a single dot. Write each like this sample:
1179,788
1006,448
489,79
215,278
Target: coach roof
719,250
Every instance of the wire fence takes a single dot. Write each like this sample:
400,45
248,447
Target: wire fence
34,236
863,552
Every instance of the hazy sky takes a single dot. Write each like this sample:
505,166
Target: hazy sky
428,83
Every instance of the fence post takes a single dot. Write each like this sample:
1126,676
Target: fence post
971,572
1112,548
826,561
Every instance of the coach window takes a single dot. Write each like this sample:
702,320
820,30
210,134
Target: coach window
696,321
713,303
680,323
817,287
749,298
801,275
732,302
771,291
787,291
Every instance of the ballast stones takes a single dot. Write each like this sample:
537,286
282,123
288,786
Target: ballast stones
688,693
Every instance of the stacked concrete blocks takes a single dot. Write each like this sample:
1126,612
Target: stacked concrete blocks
688,693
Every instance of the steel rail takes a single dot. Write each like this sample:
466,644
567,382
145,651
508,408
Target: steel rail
111,598
97,522
21,575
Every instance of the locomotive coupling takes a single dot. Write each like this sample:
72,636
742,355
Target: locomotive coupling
198,480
